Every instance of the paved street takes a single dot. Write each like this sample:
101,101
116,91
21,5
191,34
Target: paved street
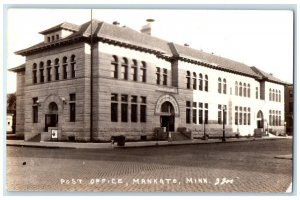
248,166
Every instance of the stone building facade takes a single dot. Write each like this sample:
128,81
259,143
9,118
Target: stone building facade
98,80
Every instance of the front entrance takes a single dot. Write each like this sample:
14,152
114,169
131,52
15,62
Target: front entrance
260,119
167,117
51,119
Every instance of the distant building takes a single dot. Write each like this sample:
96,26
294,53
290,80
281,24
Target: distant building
289,108
97,80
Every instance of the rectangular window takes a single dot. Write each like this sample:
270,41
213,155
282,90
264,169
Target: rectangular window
245,116
206,113
157,75
256,92
165,76
200,113
114,107
195,112
219,114
249,116
241,116
236,116
35,110
188,112
42,75
65,74
143,109
34,77
56,73
48,74
134,73
143,72
72,107
73,70
134,109
124,72
124,108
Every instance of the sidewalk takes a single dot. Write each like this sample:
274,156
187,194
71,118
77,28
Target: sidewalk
76,145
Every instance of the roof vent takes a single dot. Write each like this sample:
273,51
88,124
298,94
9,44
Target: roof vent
186,44
116,23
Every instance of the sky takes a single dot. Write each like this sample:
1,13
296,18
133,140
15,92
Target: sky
255,37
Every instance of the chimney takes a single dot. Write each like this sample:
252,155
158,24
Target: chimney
147,28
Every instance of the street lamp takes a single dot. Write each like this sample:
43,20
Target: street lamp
223,138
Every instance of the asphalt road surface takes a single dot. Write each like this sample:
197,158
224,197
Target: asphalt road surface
248,166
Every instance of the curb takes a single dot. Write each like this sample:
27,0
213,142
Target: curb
55,145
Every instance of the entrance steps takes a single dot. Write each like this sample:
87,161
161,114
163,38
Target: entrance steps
177,136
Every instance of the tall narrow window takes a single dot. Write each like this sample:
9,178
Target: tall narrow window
245,90
240,89
270,117
134,70
114,108
65,67
219,114
206,83
194,112
124,69
245,116
200,82
165,76
256,92
188,112
56,67
49,70
273,95
72,107
143,109
157,75
270,94
124,108
194,81
114,67
34,73
274,118
200,113
41,72
219,85
241,116
249,116
206,113
35,110
134,112
73,66
276,95
224,86
279,120
248,90
279,96
236,88
188,79
143,72
236,116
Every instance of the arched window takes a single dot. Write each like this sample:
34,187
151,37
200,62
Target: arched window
279,96
134,70
200,82
236,88
124,69
34,73
48,70
41,72
188,79
276,95
206,83
240,89
270,94
224,86
273,95
65,67
114,67
248,90
219,85
73,66
143,72
245,90
56,67
194,81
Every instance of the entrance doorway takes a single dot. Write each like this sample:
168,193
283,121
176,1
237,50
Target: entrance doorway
260,119
51,119
167,117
